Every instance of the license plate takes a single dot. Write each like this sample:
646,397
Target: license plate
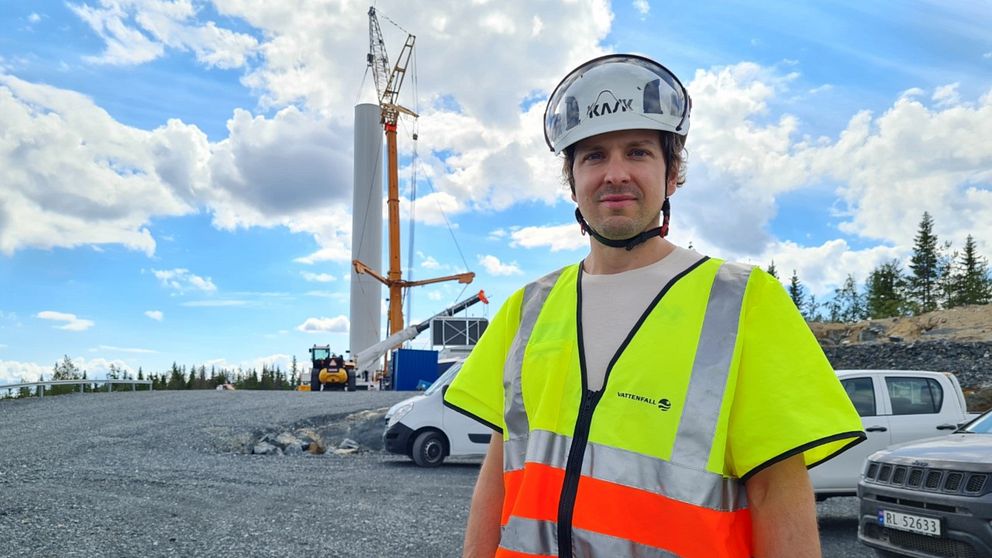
912,523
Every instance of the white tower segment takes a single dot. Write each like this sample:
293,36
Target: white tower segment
366,229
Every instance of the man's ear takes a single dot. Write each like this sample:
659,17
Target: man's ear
673,184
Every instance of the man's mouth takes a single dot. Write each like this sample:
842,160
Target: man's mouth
617,200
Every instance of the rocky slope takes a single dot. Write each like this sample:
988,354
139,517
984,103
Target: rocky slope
957,340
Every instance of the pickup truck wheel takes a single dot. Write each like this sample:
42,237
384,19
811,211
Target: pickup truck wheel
429,448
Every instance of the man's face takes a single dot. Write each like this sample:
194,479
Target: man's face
620,179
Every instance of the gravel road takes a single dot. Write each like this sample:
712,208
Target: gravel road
165,474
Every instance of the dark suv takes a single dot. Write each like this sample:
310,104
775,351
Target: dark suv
931,498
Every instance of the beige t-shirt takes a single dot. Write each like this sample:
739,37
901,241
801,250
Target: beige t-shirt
611,305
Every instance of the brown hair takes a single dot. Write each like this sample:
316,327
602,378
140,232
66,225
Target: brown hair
672,149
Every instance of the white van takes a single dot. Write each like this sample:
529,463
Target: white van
896,406
424,430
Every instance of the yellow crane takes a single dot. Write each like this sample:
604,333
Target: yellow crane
388,82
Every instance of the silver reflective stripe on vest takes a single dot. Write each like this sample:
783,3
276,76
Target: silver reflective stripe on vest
711,367
530,536
650,474
515,416
588,543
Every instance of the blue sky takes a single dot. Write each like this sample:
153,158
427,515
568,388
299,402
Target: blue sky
175,176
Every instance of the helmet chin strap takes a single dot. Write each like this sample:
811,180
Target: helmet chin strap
628,243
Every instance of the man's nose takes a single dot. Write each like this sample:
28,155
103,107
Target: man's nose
617,171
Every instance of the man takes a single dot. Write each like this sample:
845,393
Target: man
650,401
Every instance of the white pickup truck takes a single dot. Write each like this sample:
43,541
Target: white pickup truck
895,406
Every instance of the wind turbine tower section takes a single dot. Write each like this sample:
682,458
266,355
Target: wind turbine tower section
366,228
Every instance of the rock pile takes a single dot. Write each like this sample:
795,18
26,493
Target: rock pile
335,435
970,361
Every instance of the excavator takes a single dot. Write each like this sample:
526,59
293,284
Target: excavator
331,372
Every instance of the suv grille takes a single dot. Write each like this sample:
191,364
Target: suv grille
929,479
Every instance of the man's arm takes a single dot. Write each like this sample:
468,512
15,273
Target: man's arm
482,533
783,511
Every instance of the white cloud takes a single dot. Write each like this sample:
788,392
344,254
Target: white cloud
987,55
72,323
318,277
947,95
494,266
154,314
892,173
181,280
34,18
13,372
434,295
642,6
126,350
824,267
555,237
433,209
887,172
74,176
137,31
338,324
497,234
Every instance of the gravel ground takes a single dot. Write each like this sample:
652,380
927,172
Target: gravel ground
165,474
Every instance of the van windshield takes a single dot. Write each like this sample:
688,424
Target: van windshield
445,379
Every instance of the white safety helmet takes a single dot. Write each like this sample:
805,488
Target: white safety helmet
615,92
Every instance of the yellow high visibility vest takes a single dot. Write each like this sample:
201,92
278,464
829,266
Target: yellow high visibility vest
719,378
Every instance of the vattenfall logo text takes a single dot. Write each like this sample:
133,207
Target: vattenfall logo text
662,404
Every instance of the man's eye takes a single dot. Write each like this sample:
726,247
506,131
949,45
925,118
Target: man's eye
592,156
639,153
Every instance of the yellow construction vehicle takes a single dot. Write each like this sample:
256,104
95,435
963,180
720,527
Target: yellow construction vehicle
329,371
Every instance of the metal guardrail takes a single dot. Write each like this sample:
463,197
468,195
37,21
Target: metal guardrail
82,383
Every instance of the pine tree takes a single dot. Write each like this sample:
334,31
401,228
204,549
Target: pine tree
970,282
811,310
771,270
176,380
925,267
885,291
294,373
796,290
848,304
65,370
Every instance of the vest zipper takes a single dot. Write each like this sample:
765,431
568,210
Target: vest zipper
580,439
573,468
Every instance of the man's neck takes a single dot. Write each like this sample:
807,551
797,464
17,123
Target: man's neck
604,260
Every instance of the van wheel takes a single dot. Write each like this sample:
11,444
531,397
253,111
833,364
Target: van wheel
429,449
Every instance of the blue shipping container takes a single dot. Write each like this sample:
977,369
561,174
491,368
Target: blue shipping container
412,366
